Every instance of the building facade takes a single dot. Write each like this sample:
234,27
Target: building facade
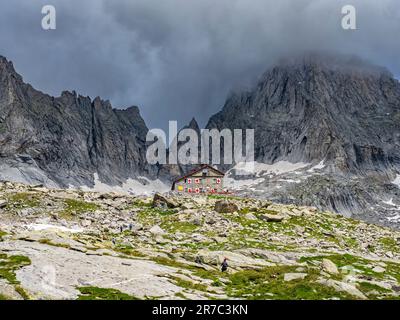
204,179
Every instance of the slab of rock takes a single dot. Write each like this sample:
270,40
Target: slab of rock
250,216
329,266
225,206
72,269
379,269
294,276
156,230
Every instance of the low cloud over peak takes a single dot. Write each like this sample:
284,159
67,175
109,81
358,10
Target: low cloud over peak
177,59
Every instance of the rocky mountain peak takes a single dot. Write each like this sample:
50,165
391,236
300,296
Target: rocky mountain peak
68,139
314,108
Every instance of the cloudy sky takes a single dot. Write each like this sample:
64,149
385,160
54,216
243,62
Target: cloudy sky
177,59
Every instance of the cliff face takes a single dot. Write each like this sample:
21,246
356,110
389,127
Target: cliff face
340,110
65,140
338,116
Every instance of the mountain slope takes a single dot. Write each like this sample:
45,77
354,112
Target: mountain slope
66,140
337,115
313,108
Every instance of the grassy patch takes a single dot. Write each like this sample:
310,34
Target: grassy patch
389,243
95,293
367,287
268,283
10,264
2,234
22,292
73,207
198,271
50,243
128,251
347,260
23,200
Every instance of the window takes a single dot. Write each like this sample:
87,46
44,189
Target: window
189,181
218,181
197,190
205,172
190,190
197,181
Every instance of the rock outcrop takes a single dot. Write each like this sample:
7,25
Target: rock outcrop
337,117
66,140
68,244
333,108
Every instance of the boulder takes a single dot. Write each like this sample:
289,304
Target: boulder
156,230
250,216
329,266
343,287
271,217
294,276
225,206
378,269
159,201
3,204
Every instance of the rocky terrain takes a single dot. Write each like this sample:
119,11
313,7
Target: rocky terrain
68,244
67,140
337,111
334,119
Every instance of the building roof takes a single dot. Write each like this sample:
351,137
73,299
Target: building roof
197,170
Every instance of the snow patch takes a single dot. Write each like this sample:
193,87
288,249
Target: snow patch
319,166
139,186
231,183
26,174
395,218
397,181
390,202
289,180
277,168
43,226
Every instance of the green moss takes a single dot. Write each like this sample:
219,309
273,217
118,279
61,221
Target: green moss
268,283
21,291
95,293
367,287
128,251
73,207
23,200
10,264
346,260
196,270
178,226
180,295
389,243
141,204
3,297
267,211
189,284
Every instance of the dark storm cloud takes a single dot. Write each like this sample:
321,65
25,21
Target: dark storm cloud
180,58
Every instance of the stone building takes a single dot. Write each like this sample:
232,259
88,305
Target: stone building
204,179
